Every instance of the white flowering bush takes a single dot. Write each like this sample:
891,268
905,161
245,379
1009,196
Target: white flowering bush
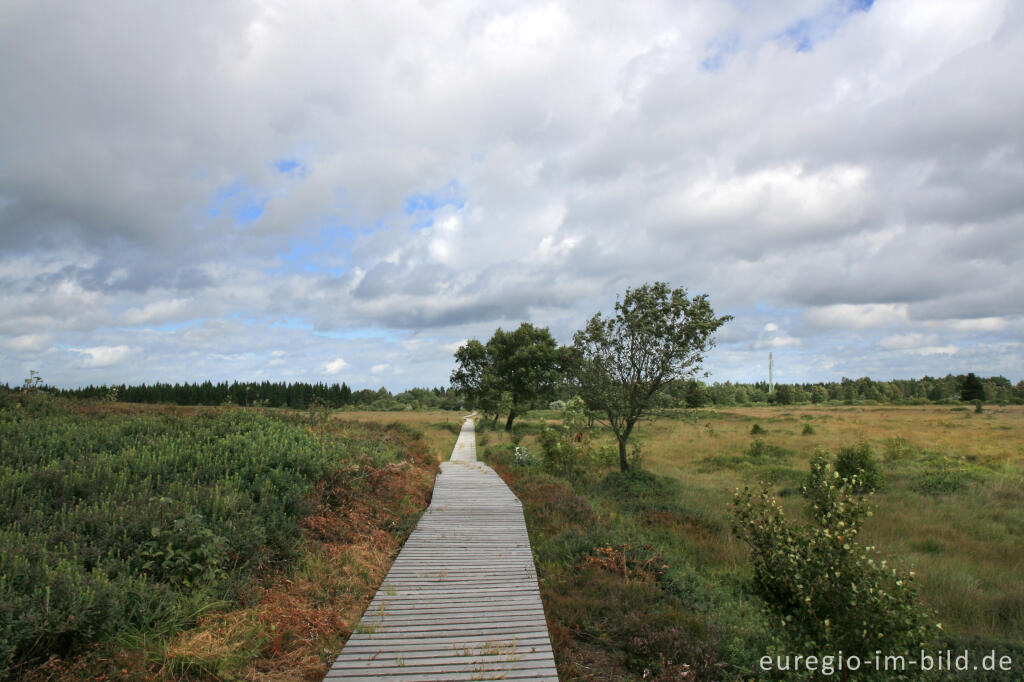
825,590
522,457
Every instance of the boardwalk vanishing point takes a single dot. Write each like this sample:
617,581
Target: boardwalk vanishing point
461,600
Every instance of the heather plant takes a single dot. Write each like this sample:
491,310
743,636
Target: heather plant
114,524
826,591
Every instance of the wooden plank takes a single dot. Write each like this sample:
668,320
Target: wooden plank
461,601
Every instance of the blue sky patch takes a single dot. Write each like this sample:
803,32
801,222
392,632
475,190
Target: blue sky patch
449,195
320,254
286,165
364,334
250,211
239,200
804,34
718,51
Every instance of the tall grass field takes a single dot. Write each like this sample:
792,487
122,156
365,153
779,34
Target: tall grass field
643,577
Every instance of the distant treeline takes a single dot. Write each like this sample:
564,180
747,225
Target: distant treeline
299,395
948,389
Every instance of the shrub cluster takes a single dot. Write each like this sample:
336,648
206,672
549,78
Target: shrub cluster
115,523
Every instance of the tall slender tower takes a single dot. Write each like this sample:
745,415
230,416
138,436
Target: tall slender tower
771,380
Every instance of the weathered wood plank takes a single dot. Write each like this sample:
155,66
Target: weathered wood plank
461,601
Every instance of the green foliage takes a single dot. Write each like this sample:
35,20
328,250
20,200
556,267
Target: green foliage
897,448
824,589
113,523
757,430
859,463
972,389
944,477
759,449
808,430
187,552
656,336
566,447
510,374
522,457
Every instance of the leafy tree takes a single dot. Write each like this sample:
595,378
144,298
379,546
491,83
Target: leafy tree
514,372
972,389
657,335
783,394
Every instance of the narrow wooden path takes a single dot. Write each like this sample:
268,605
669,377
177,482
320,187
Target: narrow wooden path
461,601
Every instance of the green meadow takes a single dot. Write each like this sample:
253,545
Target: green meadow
641,571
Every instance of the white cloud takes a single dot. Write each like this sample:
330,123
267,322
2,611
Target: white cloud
938,350
452,347
856,316
24,343
779,341
102,356
379,369
981,324
906,341
476,166
156,312
335,366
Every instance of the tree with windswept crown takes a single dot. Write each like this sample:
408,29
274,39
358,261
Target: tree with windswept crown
657,335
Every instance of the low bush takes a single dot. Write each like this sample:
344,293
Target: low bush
825,590
113,523
858,463
760,450
897,448
943,477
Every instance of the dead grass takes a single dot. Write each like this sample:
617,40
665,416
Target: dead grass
302,618
435,425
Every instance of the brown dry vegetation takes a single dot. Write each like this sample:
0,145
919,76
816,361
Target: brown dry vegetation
440,428
302,617
294,619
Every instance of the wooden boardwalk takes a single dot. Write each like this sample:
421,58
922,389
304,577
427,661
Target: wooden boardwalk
461,601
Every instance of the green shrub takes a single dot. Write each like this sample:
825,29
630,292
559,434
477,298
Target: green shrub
114,523
897,448
759,449
808,430
943,478
187,552
859,462
566,447
757,430
824,589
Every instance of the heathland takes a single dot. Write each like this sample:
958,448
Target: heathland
144,542
642,575
141,542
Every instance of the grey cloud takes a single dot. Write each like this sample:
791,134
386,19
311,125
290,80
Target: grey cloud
591,149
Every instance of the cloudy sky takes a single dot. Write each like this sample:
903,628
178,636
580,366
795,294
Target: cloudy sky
345,191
